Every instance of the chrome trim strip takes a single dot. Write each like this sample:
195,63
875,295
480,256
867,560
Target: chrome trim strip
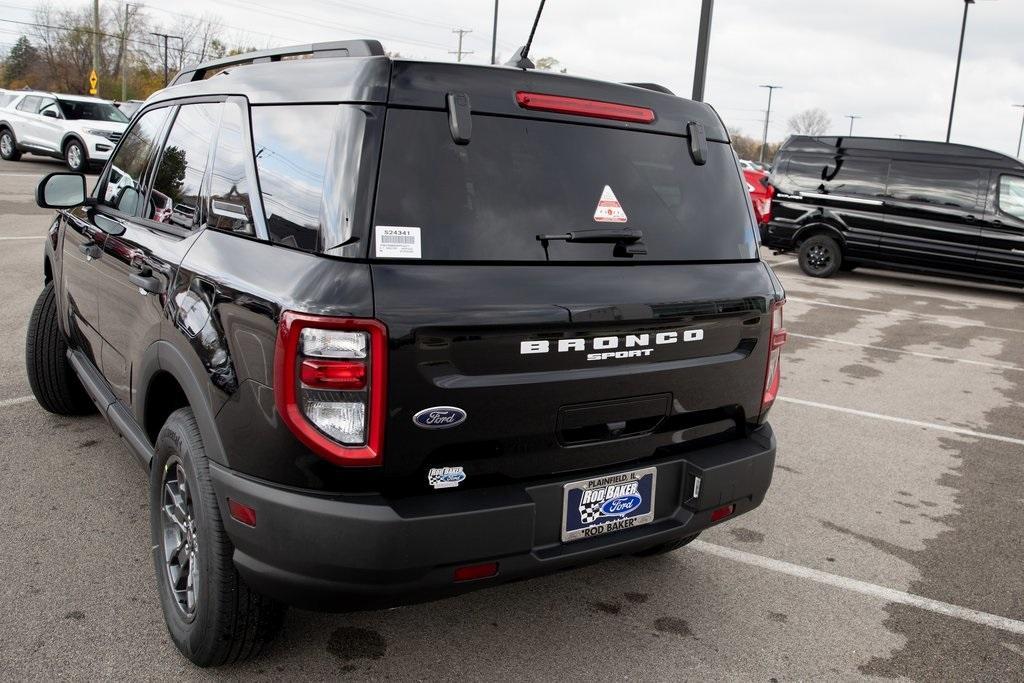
842,198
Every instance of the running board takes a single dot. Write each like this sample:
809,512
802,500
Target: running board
117,414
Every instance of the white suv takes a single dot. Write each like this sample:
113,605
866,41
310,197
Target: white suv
80,130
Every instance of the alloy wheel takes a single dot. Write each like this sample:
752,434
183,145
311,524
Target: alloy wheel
180,537
75,157
6,145
819,258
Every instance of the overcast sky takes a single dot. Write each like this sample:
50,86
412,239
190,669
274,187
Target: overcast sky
890,61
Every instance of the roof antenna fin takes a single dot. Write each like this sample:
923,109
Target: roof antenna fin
521,59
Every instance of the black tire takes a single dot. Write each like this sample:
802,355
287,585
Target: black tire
8,146
226,621
667,546
76,157
54,382
820,256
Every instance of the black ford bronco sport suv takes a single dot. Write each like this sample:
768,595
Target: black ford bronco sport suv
383,331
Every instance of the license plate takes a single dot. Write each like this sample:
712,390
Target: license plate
601,505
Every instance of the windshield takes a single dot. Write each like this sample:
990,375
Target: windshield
519,178
91,111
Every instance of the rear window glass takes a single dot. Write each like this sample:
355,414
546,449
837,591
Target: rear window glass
519,178
939,184
838,174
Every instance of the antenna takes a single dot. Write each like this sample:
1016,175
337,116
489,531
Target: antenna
523,62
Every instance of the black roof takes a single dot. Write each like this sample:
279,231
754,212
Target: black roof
359,72
899,148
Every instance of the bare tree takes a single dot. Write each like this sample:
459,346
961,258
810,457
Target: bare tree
810,122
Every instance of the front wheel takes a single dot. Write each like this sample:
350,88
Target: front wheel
54,382
75,157
213,617
8,146
820,256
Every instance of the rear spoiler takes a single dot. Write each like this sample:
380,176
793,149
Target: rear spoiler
337,48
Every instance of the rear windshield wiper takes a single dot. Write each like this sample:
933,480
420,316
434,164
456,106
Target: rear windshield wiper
627,241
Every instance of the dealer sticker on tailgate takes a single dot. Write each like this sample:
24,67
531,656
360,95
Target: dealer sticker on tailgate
601,505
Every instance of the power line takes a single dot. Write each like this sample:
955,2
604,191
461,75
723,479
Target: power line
90,32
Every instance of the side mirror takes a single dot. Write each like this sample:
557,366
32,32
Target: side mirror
51,113
61,191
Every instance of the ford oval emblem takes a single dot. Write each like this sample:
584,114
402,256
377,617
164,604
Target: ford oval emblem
439,417
623,505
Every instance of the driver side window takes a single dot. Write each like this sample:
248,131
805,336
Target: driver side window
124,189
49,108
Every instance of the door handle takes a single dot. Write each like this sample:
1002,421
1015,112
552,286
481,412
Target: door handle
970,218
90,249
147,282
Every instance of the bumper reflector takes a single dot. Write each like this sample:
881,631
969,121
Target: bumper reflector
242,513
722,512
476,571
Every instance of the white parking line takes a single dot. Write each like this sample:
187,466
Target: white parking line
903,420
784,263
22,175
863,587
919,354
952,322
6,403
27,237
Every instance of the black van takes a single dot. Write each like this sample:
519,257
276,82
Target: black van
927,207
385,330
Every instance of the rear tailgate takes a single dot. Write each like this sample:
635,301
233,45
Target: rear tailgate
564,355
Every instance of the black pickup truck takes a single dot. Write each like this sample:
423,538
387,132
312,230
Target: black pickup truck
383,331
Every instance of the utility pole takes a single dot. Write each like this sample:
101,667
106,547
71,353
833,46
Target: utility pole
1020,138
94,86
124,50
853,117
700,69
767,116
494,36
956,77
460,51
165,37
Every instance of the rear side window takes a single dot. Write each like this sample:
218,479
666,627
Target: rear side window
123,189
838,174
519,178
290,144
30,104
178,183
230,208
1011,196
939,184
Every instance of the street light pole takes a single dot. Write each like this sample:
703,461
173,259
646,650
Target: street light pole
700,68
1020,138
956,76
767,117
494,35
853,117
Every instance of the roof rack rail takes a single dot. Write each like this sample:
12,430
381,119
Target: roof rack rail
337,48
652,86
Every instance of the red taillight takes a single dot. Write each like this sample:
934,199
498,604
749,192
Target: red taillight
722,512
580,107
330,378
773,374
333,374
767,217
242,513
476,571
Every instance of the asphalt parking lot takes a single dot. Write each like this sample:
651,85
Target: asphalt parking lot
890,544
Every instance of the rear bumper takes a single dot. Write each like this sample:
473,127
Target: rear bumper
778,235
355,551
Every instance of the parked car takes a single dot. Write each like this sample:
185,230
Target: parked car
80,130
409,330
760,194
129,107
926,207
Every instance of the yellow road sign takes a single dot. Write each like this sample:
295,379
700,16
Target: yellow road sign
93,80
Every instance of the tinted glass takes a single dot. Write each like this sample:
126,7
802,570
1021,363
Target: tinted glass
838,174
291,144
30,104
178,183
519,178
939,184
229,187
92,111
1011,195
123,190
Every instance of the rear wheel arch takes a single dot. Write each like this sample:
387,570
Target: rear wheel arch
72,137
167,383
820,229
